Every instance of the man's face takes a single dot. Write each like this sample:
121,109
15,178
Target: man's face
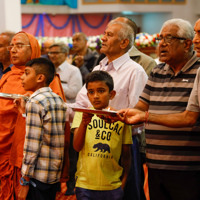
196,39
79,43
4,53
56,56
20,56
172,51
111,44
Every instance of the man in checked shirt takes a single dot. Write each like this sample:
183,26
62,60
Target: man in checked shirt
45,125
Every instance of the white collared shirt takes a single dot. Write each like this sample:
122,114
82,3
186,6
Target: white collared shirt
129,81
71,80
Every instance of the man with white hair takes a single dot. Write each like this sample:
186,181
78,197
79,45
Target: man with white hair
172,153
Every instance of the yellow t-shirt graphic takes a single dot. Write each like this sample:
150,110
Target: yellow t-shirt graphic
98,164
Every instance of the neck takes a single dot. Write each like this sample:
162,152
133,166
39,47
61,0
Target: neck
57,65
114,57
178,66
82,52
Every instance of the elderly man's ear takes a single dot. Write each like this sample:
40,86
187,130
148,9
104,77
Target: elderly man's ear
124,43
188,44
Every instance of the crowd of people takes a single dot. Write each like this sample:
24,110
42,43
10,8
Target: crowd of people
44,142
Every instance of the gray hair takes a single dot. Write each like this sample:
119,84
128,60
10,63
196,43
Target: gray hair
185,28
63,47
126,32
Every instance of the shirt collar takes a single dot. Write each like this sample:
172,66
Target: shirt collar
190,62
41,90
62,66
116,64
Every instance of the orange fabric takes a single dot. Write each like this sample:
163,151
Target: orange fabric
146,185
11,83
6,174
12,127
56,86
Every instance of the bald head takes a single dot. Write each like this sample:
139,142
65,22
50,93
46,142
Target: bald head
80,35
5,39
79,42
47,44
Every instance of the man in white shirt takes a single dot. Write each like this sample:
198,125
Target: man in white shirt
70,75
129,77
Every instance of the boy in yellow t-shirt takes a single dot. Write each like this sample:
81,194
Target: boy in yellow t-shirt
101,174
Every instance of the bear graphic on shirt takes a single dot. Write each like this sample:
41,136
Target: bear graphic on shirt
102,147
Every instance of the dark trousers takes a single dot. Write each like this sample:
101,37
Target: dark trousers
42,191
73,158
133,184
173,185
84,194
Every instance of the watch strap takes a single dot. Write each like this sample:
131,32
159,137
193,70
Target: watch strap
22,181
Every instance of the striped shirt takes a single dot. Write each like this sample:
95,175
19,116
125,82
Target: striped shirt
44,142
165,92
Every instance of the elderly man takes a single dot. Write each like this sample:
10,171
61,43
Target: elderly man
45,48
171,152
129,77
70,75
71,81
135,183
23,48
5,64
84,58
145,61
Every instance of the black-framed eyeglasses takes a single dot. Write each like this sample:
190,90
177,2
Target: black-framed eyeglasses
55,52
17,46
169,38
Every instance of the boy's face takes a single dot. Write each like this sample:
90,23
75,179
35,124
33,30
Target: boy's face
29,79
99,95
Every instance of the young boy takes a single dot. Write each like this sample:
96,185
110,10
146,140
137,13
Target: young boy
44,142
100,145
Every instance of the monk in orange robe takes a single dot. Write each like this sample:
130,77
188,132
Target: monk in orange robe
12,130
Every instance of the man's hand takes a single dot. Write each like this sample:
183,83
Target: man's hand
131,116
79,60
20,105
110,118
23,192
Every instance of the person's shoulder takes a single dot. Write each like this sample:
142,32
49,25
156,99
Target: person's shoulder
146,57
159,69
91,54
134,66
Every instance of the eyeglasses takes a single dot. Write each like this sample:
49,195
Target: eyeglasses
168,39
54,52
17,46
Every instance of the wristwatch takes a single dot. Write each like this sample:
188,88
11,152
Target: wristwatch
23,181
